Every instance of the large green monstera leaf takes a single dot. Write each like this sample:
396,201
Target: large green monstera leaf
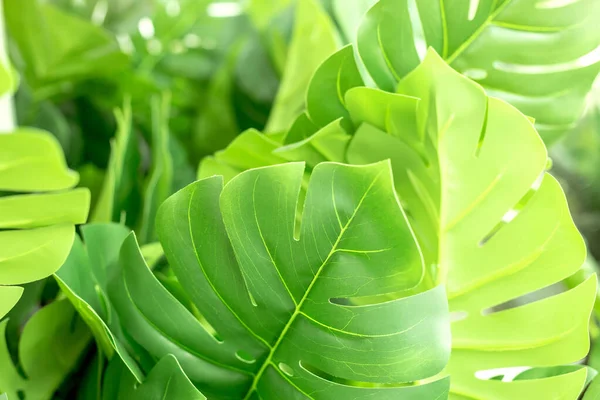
37,222
274,306
540,55
492,224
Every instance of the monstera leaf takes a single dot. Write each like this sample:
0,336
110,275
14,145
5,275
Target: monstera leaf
313,40
497,226
275,306
539,55
37,229
492,225
51,50
165,381
51,344
84,279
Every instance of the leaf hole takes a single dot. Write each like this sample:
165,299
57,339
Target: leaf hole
500,374
361,301
483,128
252,300
347,382
207,326
244,356
476,74
286,369
417,27
512,213
527,298
456,316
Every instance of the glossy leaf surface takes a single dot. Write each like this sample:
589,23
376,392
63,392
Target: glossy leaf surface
276,306
493,226
36,230
540,55
84,280
165,381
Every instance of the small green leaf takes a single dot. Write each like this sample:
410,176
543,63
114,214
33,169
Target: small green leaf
325,98
32,160
38,228
251,149
119,199
51,345
160,182
313,41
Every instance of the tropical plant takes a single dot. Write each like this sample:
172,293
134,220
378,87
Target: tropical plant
278,252
37,211
492,224
540,56
389,226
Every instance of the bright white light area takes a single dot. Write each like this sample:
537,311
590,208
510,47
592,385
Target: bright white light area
538,181
99,12
510,215
224,10
154,47
473,6
509,373
172,8
584,61
146,28
192,41
555,3
476,74
125,43
417,25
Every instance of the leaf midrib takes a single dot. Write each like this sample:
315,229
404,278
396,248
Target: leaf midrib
298,307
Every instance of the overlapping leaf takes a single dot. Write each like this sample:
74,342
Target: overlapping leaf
493,225
272,313
500,225
51,49
51,345
84,279
540,55
36,230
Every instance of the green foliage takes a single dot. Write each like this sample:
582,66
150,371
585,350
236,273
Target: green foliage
165,381
51,345
394,232
50,50
120,198
280,307
593,391
84,279
37,228
313,40
540,56
492,224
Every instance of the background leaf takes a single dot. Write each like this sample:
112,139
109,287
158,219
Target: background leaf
541,56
